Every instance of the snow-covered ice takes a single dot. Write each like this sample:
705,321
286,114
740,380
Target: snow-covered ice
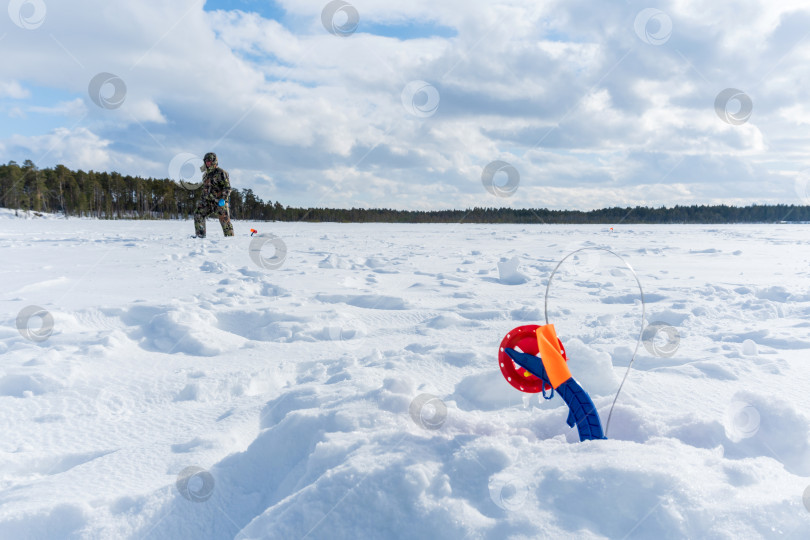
186,391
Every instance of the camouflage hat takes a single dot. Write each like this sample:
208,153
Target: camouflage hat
210,156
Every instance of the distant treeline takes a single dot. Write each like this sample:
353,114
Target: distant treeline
114,196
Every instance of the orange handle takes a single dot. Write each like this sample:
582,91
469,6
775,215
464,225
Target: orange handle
549,348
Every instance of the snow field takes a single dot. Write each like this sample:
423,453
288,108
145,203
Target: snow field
353,392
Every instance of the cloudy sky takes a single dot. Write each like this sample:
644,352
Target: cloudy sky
425,104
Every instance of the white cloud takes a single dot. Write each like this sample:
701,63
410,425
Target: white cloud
71,108
13,90
77,148
146,111
798,114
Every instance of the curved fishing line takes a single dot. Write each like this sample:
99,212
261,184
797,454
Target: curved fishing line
643,312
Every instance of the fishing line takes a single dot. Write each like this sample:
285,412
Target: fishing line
640,333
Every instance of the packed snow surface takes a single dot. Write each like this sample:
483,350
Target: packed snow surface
342,381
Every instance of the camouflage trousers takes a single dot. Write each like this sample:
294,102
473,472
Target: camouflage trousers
205,209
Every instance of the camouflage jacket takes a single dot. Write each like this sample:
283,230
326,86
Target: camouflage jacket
216,185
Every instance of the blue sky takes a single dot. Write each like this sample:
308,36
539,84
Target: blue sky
266,8
400,29
593,104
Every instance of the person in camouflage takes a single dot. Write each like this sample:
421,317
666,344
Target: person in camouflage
215,195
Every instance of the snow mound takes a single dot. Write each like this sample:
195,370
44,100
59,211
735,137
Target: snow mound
333,261
508,273
592,369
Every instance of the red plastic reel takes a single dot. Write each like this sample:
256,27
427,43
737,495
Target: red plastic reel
523,338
